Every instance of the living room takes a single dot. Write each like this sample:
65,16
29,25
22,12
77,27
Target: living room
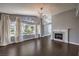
39,29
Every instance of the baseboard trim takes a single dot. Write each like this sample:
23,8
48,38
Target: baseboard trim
70,42
3,44
74,43
20,41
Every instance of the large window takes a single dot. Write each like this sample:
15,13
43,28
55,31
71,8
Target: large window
38,30
23,28
47,23
47,29
27,29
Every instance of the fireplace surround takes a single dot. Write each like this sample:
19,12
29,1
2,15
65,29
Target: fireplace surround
61,35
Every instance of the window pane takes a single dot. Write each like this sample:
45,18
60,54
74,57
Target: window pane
12,31
28,28
39,30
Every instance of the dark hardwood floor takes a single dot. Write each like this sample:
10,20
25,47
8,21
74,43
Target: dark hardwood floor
40,47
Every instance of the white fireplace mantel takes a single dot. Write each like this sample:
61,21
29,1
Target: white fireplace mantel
64,32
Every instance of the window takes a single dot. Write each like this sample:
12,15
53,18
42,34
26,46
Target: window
39,30
47,23
12,28
27,29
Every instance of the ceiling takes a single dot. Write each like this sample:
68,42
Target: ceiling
34,8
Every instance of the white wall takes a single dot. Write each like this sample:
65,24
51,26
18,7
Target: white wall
67,20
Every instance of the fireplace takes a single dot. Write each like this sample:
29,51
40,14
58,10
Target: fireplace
59,36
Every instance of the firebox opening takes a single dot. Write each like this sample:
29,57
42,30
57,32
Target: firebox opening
59,36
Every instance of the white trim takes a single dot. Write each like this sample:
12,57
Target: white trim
74,43
3,44
60,41
45,35
69,42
